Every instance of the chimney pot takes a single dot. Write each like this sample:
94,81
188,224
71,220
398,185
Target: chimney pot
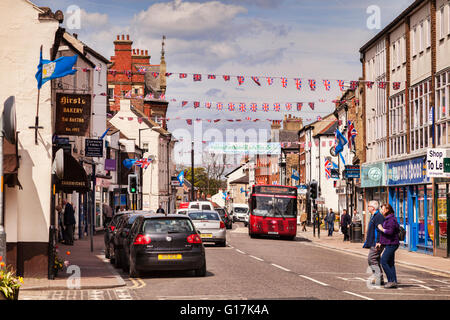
146,52
123,37
134,51
128,37
118,37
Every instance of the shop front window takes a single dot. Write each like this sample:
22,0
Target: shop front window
401,210
421,217
430,216
442,215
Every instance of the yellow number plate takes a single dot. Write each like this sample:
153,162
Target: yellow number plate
206,235
169,257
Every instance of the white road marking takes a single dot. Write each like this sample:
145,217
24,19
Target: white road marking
280,267
313,280
419,281
259,259
357,295
240,251
442,281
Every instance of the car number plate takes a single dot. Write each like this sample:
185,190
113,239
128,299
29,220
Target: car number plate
272,232
169,256
206,235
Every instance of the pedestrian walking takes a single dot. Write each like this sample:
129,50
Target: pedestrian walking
346,221
303,219
160,209
59,211
390,243
331,217
372,238
107,214
69,222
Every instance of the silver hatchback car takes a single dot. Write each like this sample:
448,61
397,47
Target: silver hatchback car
210,227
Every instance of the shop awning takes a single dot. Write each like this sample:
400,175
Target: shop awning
74,179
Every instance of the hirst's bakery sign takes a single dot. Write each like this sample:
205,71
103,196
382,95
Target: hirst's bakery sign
412,171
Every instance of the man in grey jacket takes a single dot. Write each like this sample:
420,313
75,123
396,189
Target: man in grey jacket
331,217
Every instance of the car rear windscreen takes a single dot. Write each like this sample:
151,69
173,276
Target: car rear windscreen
204,216
206,207
164,225
240,210
195,206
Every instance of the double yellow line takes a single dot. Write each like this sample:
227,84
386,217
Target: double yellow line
138,283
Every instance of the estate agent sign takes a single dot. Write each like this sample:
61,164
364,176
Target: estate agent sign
73,114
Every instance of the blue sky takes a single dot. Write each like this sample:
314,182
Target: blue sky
314,39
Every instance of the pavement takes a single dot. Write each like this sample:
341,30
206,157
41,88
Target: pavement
417,260
97,273
94,270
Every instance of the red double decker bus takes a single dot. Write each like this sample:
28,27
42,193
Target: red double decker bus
273,211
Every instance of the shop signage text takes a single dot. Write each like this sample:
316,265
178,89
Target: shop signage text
412,171
73,114
435,163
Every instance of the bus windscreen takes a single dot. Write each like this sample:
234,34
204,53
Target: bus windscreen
274,207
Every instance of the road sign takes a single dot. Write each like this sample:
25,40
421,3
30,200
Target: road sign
93,148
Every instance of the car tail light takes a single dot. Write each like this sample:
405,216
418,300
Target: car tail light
112,228
194,238
222,225
141,239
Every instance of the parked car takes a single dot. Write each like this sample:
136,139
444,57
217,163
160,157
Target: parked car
119,235
164,242
210,226
109,232
225,217
240,211
181,211
201,205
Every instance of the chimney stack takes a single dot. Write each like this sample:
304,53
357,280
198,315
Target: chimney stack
128,37
146,52
118,37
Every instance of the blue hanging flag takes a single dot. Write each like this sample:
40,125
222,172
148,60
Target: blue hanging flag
128,163
295,175
342,158
48,70
341,142
335,165
180,177
104,134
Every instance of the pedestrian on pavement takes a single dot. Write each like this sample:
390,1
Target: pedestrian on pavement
59,211
303,219
331,217
346,221
107,214
69,222
390,242
372,238
160,209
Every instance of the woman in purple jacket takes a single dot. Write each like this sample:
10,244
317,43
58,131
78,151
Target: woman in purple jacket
389,241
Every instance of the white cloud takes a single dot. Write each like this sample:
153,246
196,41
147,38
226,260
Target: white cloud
93,20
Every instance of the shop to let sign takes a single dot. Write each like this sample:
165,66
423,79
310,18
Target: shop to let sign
435,163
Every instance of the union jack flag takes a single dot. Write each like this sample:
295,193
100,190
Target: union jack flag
142,70
208,105
276,107
211,76
226,78
113,72
369,84
189,122
183,103
328,167
298,83
220,106
341,84
382,85
299,106
231,106
256,79
155,74
265,107
288,106
312,84
253,107
354,85
162,96
269,81
396,85
284,82
128,94
240,79
311,105
327,84
196,104
149,96
197,77
242,107
183,75
168,74
351,134
248,119
144,163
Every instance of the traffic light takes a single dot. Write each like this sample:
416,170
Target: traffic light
132,183
313,190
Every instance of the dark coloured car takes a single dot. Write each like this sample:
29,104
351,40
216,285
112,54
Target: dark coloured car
165,242
109,232
225,217
119,237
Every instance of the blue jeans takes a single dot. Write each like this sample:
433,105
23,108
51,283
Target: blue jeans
330,228
388,262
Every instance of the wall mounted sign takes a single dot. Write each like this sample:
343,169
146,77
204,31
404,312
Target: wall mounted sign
412,171
435,163
93,148
373,175
73,114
